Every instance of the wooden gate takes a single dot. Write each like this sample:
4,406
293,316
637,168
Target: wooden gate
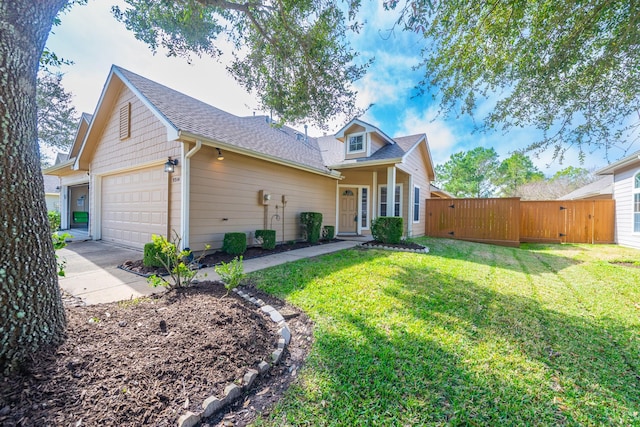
567,221
509,221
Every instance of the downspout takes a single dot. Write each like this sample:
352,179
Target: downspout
185,189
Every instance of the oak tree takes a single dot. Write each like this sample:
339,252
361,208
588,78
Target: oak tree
569,68
31,311
57,117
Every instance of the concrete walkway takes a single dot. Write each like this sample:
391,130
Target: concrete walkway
92,273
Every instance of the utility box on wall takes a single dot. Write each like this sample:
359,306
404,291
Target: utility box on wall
264,197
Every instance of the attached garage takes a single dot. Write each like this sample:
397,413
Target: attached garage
134,206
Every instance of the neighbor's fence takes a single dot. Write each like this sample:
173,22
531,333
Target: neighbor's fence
510,221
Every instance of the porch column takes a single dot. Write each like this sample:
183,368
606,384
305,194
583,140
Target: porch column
391,190
374,197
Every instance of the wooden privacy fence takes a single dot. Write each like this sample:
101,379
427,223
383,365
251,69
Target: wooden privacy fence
510,221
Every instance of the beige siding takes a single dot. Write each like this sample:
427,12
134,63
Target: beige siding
79,177
147,143
175,202
376,142
224,197
623,195
355,129
416,164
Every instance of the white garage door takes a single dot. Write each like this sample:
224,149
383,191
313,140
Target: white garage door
134,206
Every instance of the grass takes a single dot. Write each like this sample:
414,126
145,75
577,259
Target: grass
469,334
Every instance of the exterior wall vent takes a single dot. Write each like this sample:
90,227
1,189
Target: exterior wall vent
125,121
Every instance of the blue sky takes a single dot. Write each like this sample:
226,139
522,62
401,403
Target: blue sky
93,39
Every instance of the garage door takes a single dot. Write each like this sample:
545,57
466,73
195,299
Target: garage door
134,206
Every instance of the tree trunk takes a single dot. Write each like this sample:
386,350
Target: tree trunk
31,310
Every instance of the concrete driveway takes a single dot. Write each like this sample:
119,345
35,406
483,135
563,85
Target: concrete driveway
92,273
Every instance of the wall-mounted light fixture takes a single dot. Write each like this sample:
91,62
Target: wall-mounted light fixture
169,167
220,156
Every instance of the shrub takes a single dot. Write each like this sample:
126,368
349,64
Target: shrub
268,238
328,232
152,256
387,229
179,263
234,243
231,273
59,242
312,222
54,220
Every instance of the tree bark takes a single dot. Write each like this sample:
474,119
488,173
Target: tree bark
31,309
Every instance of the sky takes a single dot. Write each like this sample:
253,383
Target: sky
91,37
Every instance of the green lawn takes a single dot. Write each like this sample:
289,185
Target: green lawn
469,334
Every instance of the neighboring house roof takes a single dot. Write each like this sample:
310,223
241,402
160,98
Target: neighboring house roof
189,117
622,163
435,191
51,184
600,187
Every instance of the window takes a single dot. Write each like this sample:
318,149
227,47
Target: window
636,203
363,217
356,143
397,210
416,204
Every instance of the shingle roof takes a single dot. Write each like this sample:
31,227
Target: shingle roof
254,134
335,157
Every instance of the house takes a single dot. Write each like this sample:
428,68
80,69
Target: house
600,189
151,160
52,193
626,193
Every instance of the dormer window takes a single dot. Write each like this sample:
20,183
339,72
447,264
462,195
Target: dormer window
355,143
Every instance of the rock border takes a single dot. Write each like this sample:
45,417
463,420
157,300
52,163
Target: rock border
232,392
391,248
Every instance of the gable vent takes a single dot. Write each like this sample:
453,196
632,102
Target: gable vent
125,121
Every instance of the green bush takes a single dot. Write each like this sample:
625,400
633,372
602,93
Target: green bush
234,243
268,238
387,229
151,255
313,223
180,264
231,273
328,232
54,220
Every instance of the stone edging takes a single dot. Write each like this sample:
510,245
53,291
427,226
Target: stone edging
233,392
391,248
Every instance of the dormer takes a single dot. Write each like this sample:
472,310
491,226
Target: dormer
361,139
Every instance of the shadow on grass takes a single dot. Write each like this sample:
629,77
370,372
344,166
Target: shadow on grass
484,253
431,348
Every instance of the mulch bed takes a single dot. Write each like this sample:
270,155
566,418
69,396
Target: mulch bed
147,361
215,258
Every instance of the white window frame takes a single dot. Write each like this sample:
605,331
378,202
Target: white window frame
635,192
413,206
364,143
360,188
399,184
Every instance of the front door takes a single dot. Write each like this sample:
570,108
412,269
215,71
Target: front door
348,210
